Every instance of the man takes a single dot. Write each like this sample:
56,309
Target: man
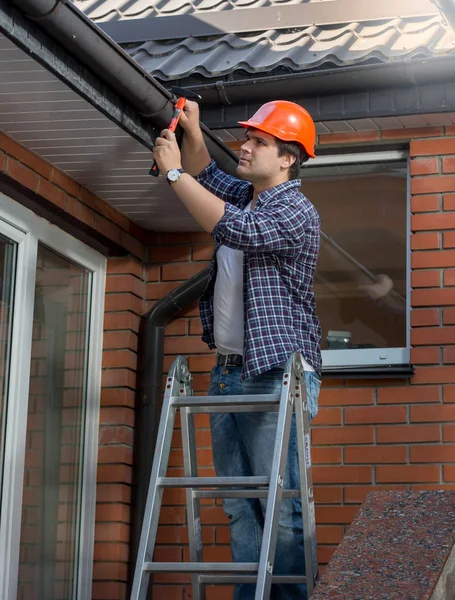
259,305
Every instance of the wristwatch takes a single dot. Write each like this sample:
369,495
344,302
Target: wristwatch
173,175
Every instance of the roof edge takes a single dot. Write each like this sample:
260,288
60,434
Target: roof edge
96,51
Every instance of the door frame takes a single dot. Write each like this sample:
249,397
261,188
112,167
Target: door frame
27,230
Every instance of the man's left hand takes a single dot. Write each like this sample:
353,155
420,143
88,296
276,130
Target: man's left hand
166,152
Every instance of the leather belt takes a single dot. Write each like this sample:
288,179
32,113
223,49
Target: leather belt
229,360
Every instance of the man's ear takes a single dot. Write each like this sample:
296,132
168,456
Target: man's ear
288,160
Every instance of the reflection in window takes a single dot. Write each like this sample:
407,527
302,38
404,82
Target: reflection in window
361,280
7,270
55,431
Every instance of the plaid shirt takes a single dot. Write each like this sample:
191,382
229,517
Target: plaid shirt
280,241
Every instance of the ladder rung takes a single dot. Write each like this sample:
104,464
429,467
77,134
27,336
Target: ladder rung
200,567
228,403
242,493
229,579
200,482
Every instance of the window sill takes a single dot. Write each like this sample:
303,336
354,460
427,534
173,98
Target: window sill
405,371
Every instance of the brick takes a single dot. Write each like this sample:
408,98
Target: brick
433,414
436,297
411,133
201,363
92,200
108,590
124,266
375,455
121,320
448,316
119,358
432,147
133,245
181,271
328,416
408,474
429,222
112,512
10,146
22,174
422,317
448,239
328,494
426,279
111,552
449,391
426,241
155,291
342,435
124,302
178,327
335,514
106,228
195,327
186,237
115,454
444,453
113,215
344,396
117,415
411,394
118,378
113,492
120,339
432,335
348,138
321,455
3,160
402,434
434,375
448,472
425,356
356,494
170,254
448,164
449,277
122,283
375,414
202,252
184,345
110,571
114,474
448,202
424,166
448,433
52,193
66,183
432,184
112,532
329,534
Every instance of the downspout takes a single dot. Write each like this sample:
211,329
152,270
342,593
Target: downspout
98,52
149,397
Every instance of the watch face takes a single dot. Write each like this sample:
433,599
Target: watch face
173,175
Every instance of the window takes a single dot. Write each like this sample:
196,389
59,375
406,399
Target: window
361,282
54,293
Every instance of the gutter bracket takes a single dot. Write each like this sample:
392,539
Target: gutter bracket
222,93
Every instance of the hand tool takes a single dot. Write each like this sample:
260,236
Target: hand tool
183,94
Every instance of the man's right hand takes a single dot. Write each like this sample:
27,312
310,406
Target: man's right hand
189,119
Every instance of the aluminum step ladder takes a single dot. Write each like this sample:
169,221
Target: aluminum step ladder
178,396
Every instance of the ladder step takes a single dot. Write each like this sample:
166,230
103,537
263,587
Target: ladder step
229,579
213,404
200,567
200,482
251,493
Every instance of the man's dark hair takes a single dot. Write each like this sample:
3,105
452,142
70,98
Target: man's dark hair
294,149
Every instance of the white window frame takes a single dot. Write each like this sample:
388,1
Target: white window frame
27,230
373,357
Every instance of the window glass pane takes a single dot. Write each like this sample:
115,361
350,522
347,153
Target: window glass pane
7,271
360,282
55,431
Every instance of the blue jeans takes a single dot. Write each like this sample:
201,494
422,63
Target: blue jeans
243,445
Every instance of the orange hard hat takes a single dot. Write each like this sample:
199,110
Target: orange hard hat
286,121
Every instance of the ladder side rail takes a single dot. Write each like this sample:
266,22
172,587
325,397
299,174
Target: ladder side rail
155,493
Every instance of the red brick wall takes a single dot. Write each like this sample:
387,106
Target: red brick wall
369,434
125,303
